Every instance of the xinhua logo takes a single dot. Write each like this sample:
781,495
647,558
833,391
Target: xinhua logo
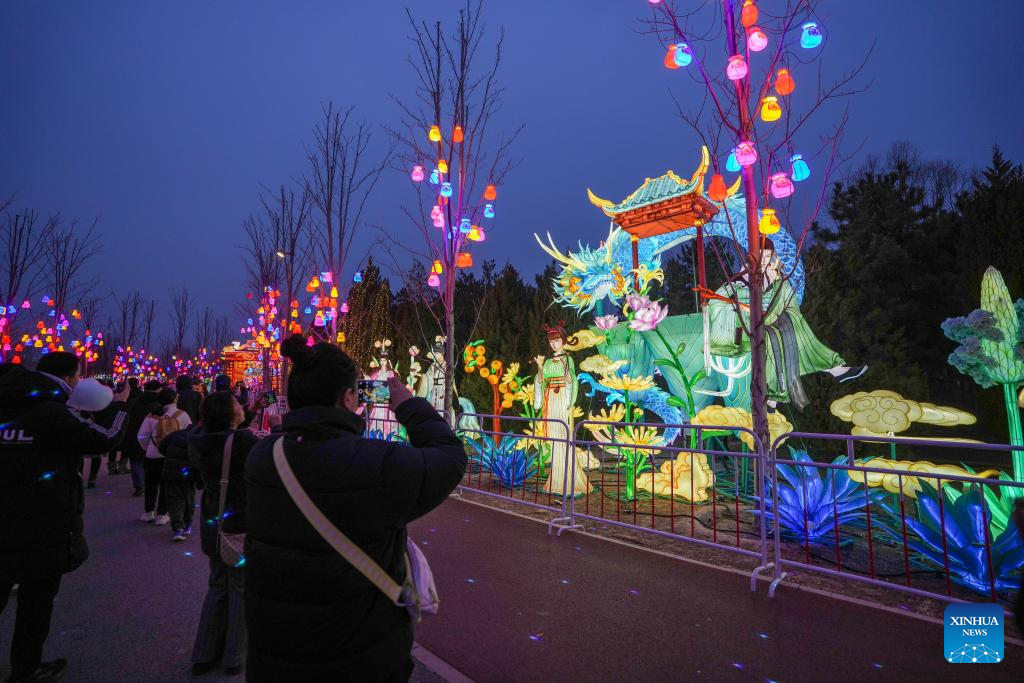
973,633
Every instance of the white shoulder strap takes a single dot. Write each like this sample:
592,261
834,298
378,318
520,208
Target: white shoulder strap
330,533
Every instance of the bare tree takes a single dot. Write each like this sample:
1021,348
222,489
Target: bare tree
181,307
127,324
23,240
204,329
222,333
148,317
458,94
68,251
264,267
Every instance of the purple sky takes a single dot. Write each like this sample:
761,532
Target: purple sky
164,119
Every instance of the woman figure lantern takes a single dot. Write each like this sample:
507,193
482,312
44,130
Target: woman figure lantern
431,385
554,395
379,416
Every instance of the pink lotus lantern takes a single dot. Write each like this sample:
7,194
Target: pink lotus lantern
737,68
417,174
746,155
781,185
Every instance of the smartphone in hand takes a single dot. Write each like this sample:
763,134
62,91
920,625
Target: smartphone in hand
373,391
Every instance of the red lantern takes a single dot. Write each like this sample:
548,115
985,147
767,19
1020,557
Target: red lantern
717,190
784,82
670,57
465,260
457,134
491,193
748,15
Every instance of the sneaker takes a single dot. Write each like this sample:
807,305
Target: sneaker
852,373
188,530
162,520
180,536
46,671
148,517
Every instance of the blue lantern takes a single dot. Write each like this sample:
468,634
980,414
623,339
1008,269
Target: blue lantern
811,36
731,164
435,177
249,322
446,189
358,277
800,171
682,54
489,211
465,226
307,310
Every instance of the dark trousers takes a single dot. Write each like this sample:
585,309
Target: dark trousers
138,473
153,468
180,493
95,461
222,635
32,622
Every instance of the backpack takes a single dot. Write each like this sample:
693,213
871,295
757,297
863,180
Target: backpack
166,424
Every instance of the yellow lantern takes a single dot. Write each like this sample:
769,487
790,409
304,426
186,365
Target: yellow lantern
770,109
334,292
436,268
769,223
442,165
435,134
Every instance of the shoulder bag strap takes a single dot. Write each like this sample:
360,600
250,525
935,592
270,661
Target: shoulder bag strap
225,471
330,533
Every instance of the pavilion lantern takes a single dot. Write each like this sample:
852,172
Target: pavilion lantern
748,15
746,154
769,223
491,193
799,168
784,83
417,174
717,190
465,260
781,185
770,109
435,134
737,68
757,39
457,134
810,36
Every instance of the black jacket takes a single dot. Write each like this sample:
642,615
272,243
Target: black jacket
139,408
41,447
174,448
188,398
311,615
206,452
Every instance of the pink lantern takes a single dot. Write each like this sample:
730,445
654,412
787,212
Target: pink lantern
737,68
344,307
746,155
417,174
434,280
781,185
757,39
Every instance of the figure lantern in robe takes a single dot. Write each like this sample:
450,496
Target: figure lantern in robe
554,395
662,205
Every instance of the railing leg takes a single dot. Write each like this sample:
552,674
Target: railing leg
563,524
775,584
754,574
457,493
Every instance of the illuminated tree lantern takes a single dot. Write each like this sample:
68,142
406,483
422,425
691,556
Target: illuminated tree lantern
457,134
769,223
746,154
436,268
446,190
737,68
770,109
442,165
465,260
491,193
717,189
757,39
784,83
683,55
799,168
433,280
435,134
811,36
307,310
781,185
435,212
670,57
465,225
358,277
489,211
474,234
344,307
482,234
435,177
318,319
748,15
417,174
731,164
334,292
26,304
439,221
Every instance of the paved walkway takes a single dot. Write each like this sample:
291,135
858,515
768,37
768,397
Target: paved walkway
517,605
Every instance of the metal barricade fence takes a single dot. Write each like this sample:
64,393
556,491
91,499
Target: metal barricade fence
384,429
958,530
510,465
694,476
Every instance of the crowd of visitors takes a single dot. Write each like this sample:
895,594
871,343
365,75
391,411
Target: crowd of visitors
281,602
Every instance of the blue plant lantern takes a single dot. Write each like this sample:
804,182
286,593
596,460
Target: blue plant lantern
811,36
489,211
682,54
465,225
731,164
435,177
446,189
358,277
799,168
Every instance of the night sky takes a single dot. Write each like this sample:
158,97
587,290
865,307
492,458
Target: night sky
163,119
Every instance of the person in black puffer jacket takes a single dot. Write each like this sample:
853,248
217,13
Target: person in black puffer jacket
179,481
139,408
221,635
311,615
188,398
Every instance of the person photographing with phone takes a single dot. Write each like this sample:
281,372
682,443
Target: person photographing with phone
311,614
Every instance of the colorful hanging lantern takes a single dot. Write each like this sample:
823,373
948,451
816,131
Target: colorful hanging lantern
435,134
433,280
683,55
482,234
717,189
442,165
746,154
770,109
446,190
318,319
491,193
799,168
781,185
489,211
436,267
417,174
784,82
334,292
457,134
670,57
737,68
731,164
748,15
435,177
358,277
465,225
344,307
811,36
465,260
769,224
439,221
474,234
757,39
